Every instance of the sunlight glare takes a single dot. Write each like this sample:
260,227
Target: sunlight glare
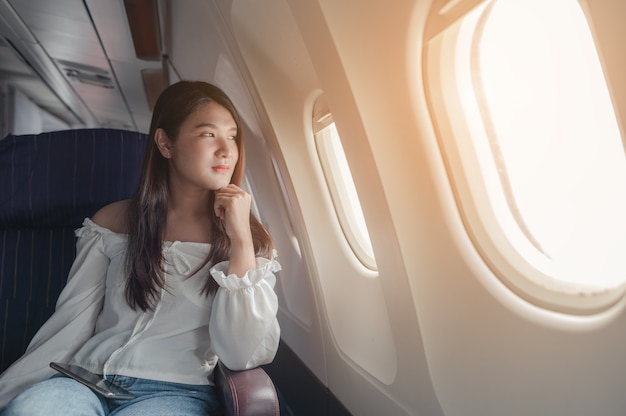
560,142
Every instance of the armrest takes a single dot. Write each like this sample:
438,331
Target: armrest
246,393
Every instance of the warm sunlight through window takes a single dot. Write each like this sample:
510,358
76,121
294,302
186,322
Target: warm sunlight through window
558,142
344,194
534,149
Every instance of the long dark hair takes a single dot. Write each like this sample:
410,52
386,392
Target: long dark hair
147,215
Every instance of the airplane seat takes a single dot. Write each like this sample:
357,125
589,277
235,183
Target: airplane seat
48,184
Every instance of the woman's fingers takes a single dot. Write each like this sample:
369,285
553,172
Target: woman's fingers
232,205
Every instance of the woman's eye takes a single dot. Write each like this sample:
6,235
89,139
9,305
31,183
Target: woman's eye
232,137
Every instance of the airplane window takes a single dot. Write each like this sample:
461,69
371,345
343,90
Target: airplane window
542,179
343,192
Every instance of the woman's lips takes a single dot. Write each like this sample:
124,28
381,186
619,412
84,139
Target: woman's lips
220,168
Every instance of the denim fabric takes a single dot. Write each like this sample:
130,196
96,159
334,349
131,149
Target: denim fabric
62,396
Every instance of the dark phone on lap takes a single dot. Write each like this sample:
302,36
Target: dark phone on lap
93,381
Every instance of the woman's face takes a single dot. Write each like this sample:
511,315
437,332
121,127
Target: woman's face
205,153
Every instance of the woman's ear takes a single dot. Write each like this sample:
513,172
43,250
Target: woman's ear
163,143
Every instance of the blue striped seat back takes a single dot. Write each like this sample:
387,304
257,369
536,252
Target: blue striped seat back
48,184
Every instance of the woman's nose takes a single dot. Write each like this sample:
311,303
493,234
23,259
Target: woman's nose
223,149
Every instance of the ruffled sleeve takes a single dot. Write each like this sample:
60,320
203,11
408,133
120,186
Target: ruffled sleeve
243,327
73,321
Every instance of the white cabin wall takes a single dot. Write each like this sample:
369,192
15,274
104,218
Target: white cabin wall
280,63
359,78
607,26
488,351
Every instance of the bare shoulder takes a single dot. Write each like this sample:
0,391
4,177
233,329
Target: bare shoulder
113,216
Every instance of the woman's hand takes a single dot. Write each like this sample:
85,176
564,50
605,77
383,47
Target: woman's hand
232,206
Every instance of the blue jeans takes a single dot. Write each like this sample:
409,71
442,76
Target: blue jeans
63,396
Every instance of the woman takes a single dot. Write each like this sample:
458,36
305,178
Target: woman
163,284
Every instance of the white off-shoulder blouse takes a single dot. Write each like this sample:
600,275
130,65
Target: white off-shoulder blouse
178,341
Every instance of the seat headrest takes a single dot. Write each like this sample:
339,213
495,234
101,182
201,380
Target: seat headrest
56,179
